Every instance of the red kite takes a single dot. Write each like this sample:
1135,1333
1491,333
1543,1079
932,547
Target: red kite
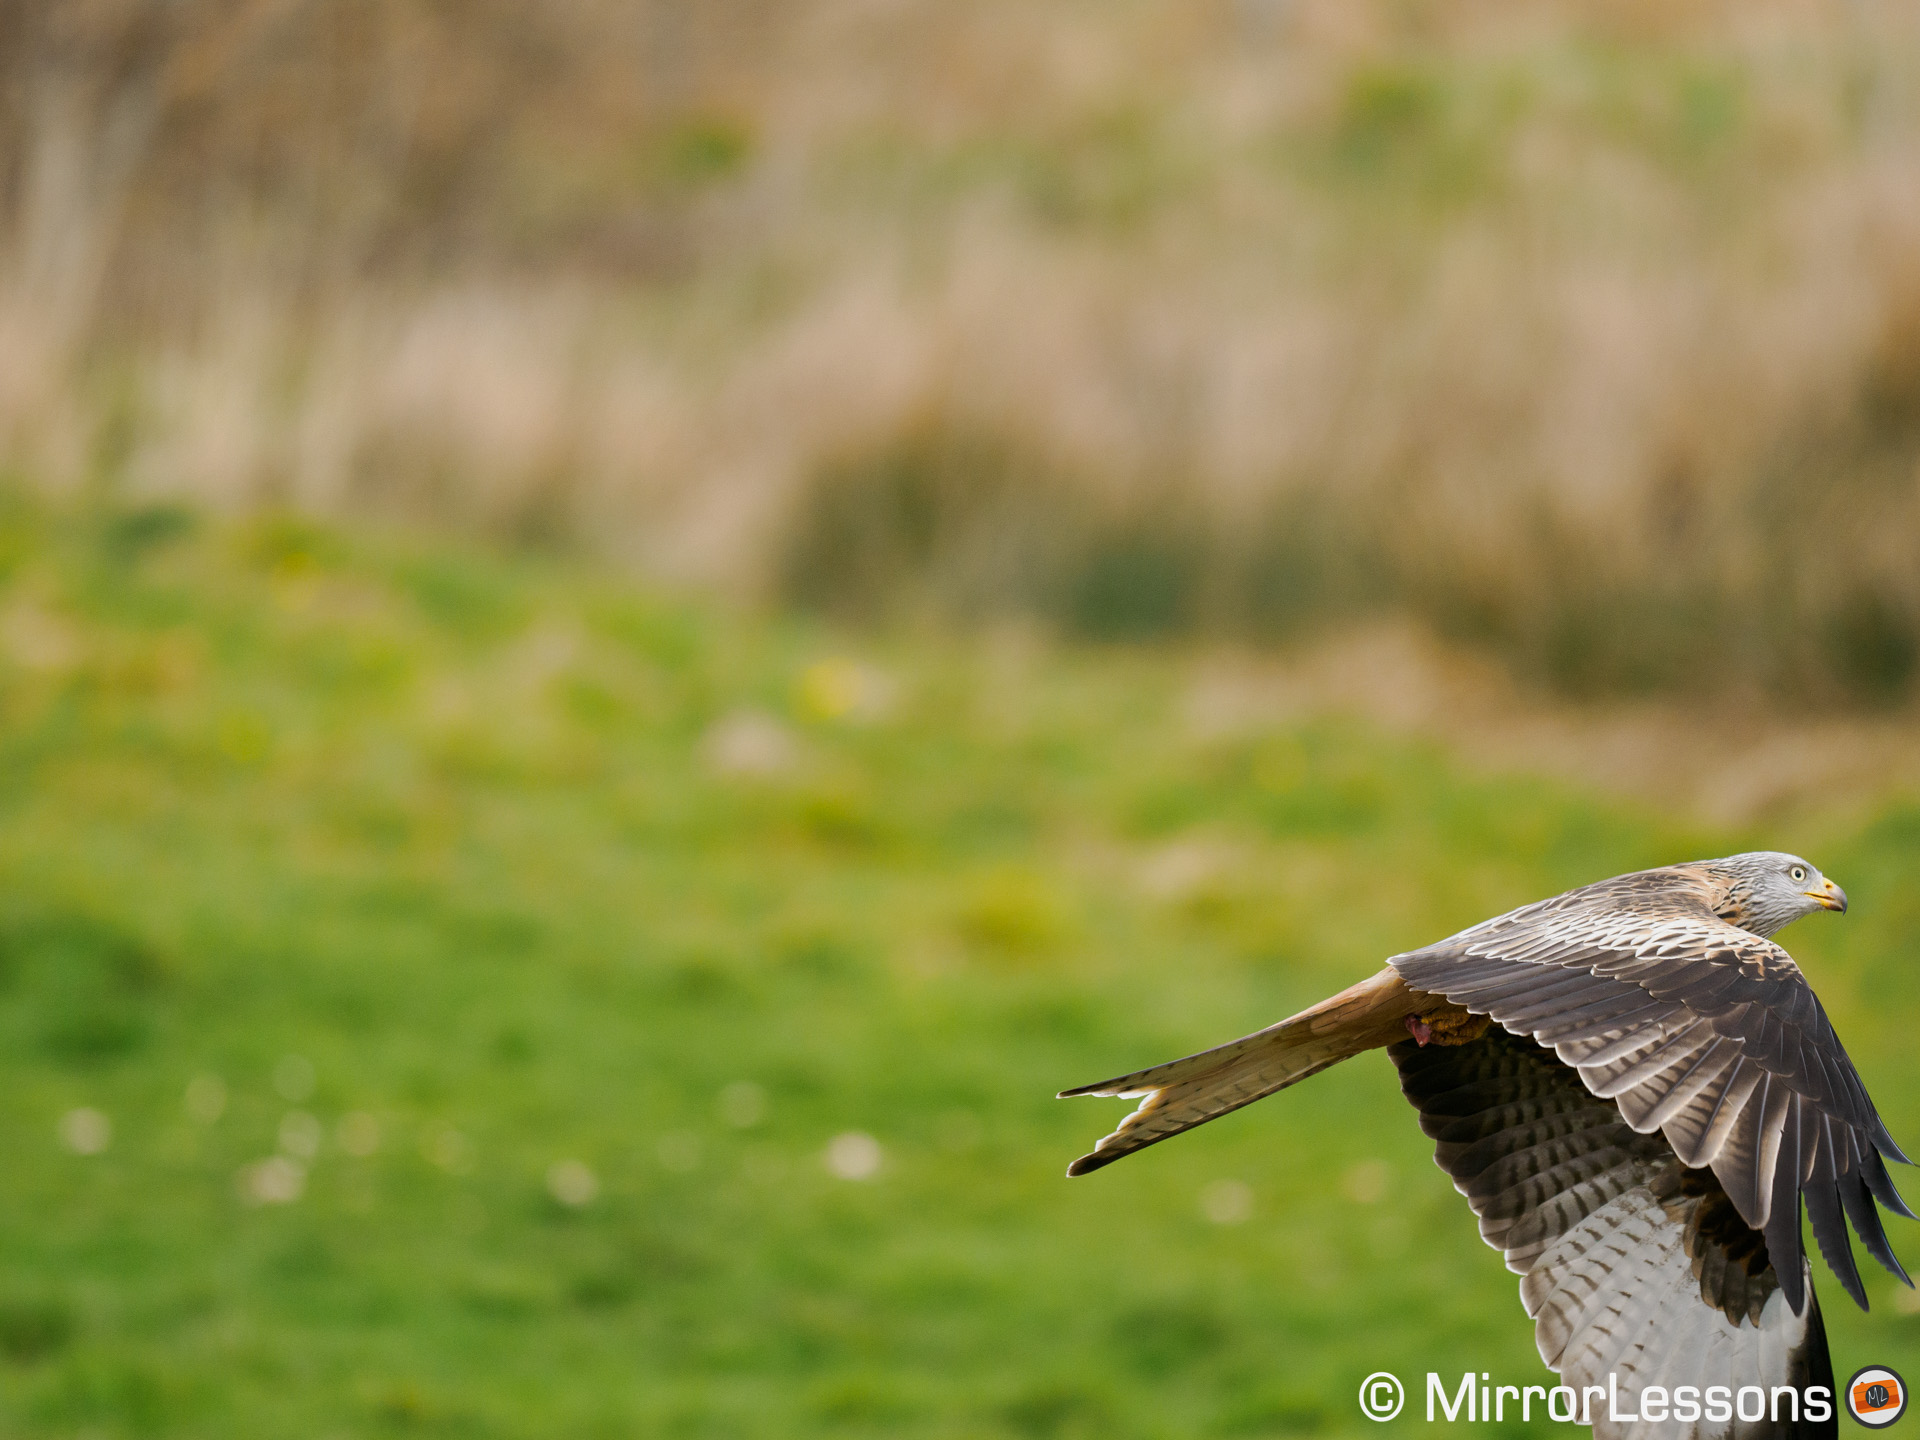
1635,1089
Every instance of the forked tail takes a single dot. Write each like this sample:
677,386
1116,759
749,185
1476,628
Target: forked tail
1184,1093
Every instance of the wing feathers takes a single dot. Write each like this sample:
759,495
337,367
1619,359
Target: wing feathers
1661,1098
1502,980
1884,1142
1881,1184
1695,1028
1631,1265
1675,1052
1830,1232
1685,1032
1552,1019
1527,1237
1858,1201
1781,1137
1738,1163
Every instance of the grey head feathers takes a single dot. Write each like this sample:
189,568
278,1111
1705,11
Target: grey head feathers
1768,890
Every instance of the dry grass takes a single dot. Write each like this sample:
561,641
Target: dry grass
1727,766
1590,331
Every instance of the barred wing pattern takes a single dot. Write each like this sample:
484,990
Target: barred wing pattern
1702,1032
1634,1265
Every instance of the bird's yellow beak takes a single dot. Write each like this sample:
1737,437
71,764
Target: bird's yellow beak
1828,897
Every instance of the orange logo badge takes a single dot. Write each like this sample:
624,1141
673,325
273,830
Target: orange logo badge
1876,1396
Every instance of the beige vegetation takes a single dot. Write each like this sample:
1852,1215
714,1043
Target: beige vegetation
1589,332
1733,766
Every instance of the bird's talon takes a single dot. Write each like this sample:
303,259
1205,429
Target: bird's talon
1419,1029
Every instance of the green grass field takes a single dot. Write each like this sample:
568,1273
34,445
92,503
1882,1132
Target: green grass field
549,933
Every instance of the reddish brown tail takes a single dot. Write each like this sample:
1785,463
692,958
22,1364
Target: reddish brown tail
1184,1093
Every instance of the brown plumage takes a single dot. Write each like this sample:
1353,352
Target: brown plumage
1635,1089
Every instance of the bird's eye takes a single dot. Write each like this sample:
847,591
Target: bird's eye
1799,872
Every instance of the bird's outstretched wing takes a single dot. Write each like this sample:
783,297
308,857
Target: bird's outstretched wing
1703,1032
1635,1265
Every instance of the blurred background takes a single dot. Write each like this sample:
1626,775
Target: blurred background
627,630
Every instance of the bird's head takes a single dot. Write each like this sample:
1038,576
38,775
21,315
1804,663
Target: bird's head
1767,890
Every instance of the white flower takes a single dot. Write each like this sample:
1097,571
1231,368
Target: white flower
85,1131
1227,1202
273,1181
854,1156
573,1183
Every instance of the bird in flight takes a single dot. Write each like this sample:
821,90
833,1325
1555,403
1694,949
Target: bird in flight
1635,1089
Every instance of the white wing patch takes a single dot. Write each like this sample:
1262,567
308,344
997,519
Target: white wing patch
1616,1296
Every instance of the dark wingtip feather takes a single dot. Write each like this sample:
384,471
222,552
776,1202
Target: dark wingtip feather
1866,1223
1830,1232
1782,1232
1793,1286
1883,1142
1087,1164
1881,1183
